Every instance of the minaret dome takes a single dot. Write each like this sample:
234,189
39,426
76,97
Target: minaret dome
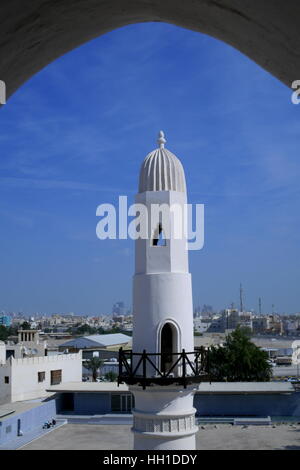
162,170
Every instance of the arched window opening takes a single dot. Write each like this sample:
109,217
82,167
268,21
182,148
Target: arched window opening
159,238
168,343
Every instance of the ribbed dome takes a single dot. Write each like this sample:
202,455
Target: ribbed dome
162,170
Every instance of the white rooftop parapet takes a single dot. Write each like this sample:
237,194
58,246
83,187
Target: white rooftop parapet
47,359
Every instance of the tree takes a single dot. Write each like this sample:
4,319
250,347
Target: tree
246,330
25,326
197,333
94,365
83,329
12,331
114,329
239,360
111,376
3,333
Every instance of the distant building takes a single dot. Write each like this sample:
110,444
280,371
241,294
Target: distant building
110,366
291,327
207,309
27,344
118,309
260,324
275,324
201,326
119,318
103,344
205,312
218,324
5,320
281,351
229,320
232,318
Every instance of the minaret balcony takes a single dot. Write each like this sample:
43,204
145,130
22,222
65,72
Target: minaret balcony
180,368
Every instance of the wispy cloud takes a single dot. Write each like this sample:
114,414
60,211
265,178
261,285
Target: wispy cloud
21,220
32,183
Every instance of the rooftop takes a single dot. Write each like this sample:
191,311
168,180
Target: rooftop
10,409
88,387
209,437
245,387
97,341
273,343
204,387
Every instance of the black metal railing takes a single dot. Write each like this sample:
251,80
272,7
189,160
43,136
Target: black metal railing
152,368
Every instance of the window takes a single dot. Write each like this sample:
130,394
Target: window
169,347
115,403
166,347
122,402
67,401
10,353
6,380
159,237
55,377
41,376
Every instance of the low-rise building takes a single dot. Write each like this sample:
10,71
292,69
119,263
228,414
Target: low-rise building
283,352
28,344
110,366
201,326
5,320
28,378
93,344
230,399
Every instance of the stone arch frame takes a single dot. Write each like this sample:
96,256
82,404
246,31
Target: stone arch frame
34,34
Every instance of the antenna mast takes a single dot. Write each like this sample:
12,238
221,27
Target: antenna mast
241,298
259,305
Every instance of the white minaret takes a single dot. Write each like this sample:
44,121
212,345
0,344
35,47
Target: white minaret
164,416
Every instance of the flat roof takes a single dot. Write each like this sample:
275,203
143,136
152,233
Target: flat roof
209,340
10,409
273,343
204,387
97,341
245,387
88,387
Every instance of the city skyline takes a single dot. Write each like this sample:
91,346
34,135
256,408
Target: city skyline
66,130
197,307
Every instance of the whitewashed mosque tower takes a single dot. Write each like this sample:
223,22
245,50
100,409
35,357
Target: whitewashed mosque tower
162,368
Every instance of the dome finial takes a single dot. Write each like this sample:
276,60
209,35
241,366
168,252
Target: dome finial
161,139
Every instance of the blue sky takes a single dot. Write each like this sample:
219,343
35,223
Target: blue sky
75,134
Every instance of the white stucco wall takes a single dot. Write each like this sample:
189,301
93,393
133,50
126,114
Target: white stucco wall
2,352
161,298
162,290
5,389
171,258
164,418
296,352
23,374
